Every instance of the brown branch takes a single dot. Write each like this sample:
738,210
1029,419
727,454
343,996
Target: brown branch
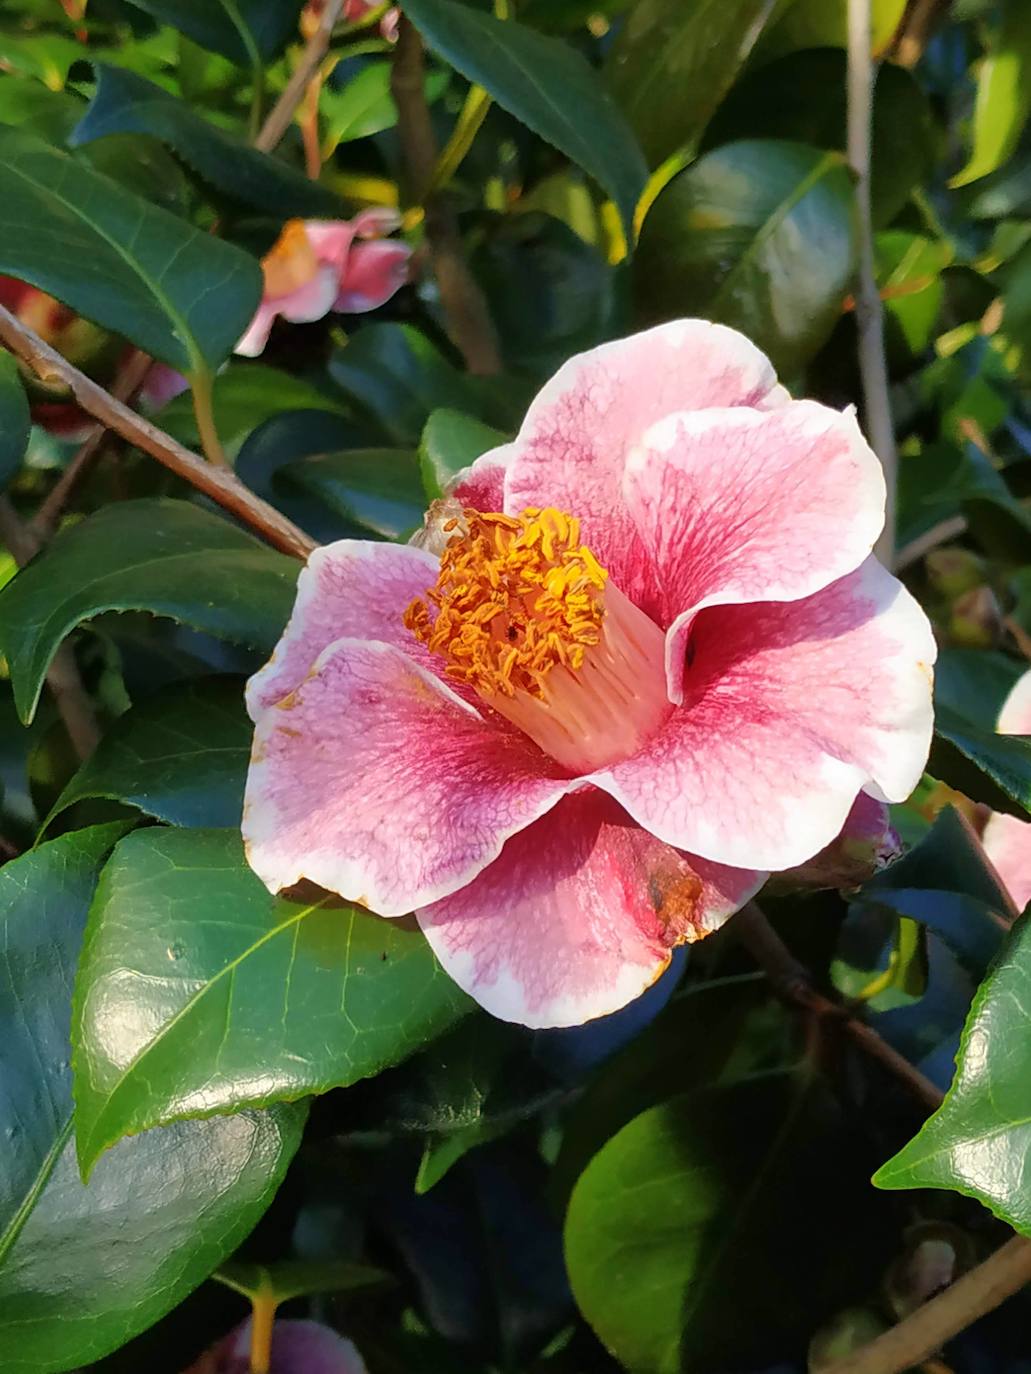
918,24
70,697
791,982
225,489
129,380
873,367
927,1329
281,114
465,309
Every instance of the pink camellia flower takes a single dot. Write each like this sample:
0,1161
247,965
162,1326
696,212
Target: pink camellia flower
353,11
1007,840
654,661
316,266
298,1347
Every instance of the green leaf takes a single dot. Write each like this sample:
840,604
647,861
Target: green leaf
671,1227
15,422
757,235
377,489
989,768
671,65
199,991
241,30
978,1142
802,97
395,373
364,105
547,86
182,295
180,756
1003,95
82,1269
824,24
162,556
909,271
297,1278
244,396
450,442
126,103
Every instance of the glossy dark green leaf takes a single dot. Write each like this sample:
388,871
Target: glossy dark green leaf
182,295
978,1142
567,302
198,991
166,557
180,756
671,65
126,103
450,442
82,1269
377,489
802,97
974,683
396,375
14,419
238,29
988,767
546,84
758,235
671,1227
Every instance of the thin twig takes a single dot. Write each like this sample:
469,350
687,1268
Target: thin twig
919,22
220,484
465,309
70,697
923,544
282,112
129,380
791,982
873,368
927,1329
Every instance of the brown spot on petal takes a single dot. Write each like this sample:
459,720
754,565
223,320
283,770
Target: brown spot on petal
676,897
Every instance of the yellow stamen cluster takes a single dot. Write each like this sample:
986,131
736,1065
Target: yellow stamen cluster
516,596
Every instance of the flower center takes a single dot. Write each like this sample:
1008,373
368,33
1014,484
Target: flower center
527,617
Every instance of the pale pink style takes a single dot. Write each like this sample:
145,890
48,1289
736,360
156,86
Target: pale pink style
757,673
321,265
1007,839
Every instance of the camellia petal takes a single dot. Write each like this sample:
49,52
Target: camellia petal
378,782
298,1347
790,708
573,444
354,589
482,485
374,273
743,505
1007,840
578,915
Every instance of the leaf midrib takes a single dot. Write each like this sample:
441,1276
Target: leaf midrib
86,1150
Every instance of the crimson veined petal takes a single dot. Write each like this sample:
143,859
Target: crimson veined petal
482,484
378,782
374,273
578,915
353,589
790,708
572,447
739,505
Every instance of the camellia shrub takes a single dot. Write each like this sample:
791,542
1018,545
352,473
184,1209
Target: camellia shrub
515,686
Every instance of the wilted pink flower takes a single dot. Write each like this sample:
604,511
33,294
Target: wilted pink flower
316,266
655,661
298,1347
353,11
1007,840
867,844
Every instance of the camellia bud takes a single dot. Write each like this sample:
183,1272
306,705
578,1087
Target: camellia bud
951,572
867,843
976,620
